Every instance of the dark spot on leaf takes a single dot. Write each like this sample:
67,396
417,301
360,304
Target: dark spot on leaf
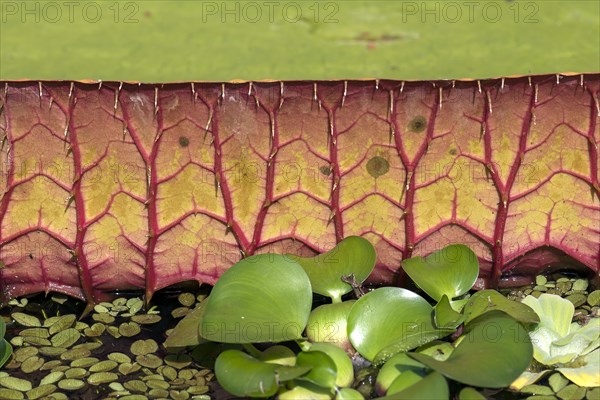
452,152
378,166
183,141
418,124
325,170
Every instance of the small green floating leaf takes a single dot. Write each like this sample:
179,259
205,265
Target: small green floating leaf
243,375
263,298
353,255
489,300
445,316
391,320
433,387
451,271
328,323
495,349
323,370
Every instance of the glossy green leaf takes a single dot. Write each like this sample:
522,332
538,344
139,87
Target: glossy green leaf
404,381
2,327
187,332
304,390
353,255
391,320
437,349
323,370
328,323
278,354
445,316
393,368
451,271
6,351
494,351
343,363
469,393
489,300
527,378
263,298
349,394
432,387
243,375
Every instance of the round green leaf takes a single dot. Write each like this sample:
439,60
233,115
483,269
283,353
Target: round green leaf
278,354
433,386
445,316
328,323
343,363
451,271
323,370
6,351
263,298
349,394
391,320
469,393
393,368
493,352
244,376
488,300
353,255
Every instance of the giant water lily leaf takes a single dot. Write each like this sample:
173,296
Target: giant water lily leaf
488,300
451,271
433,386
264,298
245,376
187,178
587,373
494,352
390,320
353,255
187,331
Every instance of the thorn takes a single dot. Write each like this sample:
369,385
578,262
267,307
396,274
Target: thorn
502,85
558,77
250,88
376,84
51,101
331,131
401,86
535,96
453,83
155,100
228,229
66,132
315,99
345,92
483,130
281,94
117,96
69,201
222,91
99,85
529,79
69,151
479,86
489,99
597,104
210,115
124,131
391,104
533,118
217,185
581,80
4,138
71,91
40,92
193,93
5,90
440,89
392,133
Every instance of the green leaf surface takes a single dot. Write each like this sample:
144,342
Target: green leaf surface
187,331
328,323
323,370
469,393
279,354
343,363
393,368
390,320
243,375
452,271
437,349
587,374
353,255
304,390
349,394
263,298
433,387
488,300
494,352
445,316
6,351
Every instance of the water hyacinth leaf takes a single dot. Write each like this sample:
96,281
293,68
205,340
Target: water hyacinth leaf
437,349
187,332
390,320
243,375
343,363
404,380
393,368
328,323
433,386
305,390
353,255
495,350
469,393
451,271
587,374
323,370
6,351
263,298
488,300
445,316
278,354
349,394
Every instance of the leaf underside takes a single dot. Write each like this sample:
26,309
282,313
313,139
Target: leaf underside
146,186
